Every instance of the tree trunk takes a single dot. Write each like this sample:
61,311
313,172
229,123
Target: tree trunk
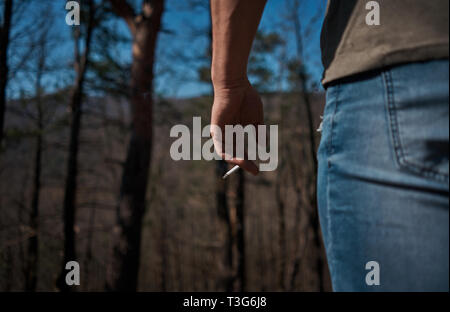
224,217
314,216
9,277
33,243
281,230
312,146
123,274
240,232
164,253
31,271
90,240
72,168
4,43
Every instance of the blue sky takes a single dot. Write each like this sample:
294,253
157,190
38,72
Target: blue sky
181,47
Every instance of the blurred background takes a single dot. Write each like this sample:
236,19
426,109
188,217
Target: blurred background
85,168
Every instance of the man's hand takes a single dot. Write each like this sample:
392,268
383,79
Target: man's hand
236,104
234,25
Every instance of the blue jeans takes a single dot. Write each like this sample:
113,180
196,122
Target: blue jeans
383,181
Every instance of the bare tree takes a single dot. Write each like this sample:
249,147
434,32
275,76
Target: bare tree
240,232
33,243
144,28
304,98
281,227
5,30
76,101
223,212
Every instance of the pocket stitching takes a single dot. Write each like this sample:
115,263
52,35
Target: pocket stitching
395,132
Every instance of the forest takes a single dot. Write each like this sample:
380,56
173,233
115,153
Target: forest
85,169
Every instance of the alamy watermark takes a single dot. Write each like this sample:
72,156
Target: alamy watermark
233,146
73,276
373,276
373,17
73,16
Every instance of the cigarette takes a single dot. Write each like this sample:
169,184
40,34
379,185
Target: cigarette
234,169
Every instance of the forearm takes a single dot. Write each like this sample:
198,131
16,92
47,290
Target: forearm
234,24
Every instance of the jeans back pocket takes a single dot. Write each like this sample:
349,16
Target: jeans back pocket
418,112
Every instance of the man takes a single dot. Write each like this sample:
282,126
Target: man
383,180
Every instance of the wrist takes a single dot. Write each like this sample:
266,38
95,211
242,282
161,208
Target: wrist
224,82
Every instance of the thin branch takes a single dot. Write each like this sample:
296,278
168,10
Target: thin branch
123,9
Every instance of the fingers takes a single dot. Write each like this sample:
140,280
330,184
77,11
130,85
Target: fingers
245,164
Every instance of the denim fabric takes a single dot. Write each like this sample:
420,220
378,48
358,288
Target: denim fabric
383,184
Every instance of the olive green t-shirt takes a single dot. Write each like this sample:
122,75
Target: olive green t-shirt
408,31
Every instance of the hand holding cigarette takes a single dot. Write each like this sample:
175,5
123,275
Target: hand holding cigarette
238,105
